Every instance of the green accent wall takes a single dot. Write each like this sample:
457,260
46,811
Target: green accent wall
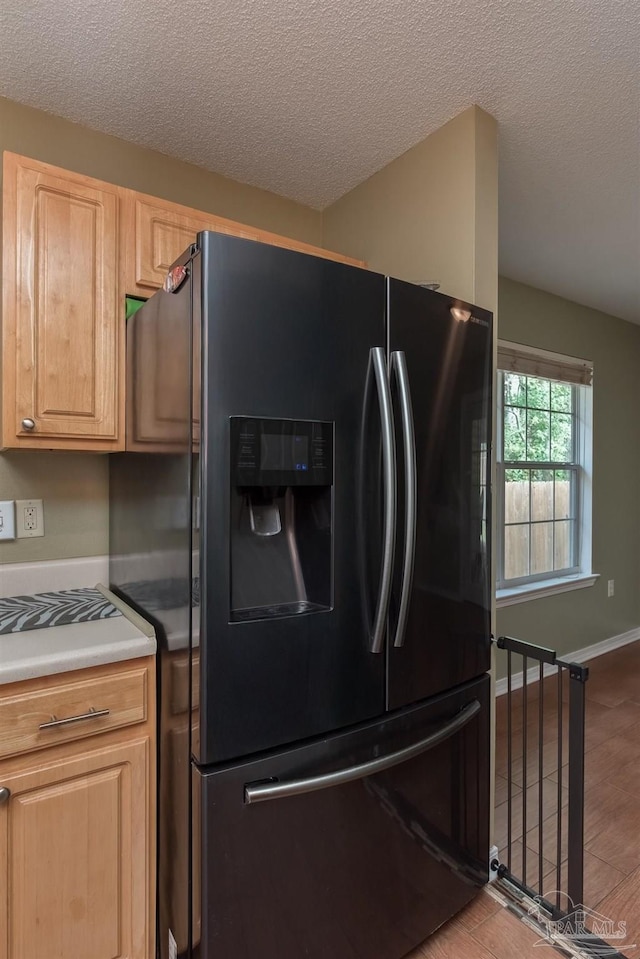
570,621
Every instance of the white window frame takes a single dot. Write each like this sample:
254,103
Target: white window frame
580,575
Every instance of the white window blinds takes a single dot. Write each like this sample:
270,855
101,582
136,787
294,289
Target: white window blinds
516,358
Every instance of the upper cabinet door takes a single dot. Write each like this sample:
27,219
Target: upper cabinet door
157,232
63,332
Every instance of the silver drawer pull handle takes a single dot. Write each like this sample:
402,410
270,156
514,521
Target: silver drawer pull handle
92,714
296,787
5,793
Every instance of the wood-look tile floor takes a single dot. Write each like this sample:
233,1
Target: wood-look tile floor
484,930
612,790
488,930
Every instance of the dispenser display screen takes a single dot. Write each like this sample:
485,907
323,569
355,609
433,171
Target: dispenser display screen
271,452
284,452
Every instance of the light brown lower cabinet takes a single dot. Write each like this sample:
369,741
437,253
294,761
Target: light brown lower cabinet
77,842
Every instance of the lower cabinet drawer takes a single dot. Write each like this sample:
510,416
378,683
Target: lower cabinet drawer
36,717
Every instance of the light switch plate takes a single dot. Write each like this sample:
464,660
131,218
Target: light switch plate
29,518
7,520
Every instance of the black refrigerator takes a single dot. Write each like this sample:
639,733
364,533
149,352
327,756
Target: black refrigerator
303,512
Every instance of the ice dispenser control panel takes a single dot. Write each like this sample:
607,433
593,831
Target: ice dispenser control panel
266,452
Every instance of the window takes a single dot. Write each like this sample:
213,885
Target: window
543,470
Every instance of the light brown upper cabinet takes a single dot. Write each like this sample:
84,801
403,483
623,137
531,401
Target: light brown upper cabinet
158,405
63,313
72,248
156,232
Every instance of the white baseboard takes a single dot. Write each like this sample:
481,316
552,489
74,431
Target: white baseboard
578,656
25,579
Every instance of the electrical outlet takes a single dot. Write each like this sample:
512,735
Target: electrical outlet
7,520
29,518
610,588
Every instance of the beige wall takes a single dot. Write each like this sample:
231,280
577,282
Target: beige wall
432,214
74,487
571,621
75,490
69,145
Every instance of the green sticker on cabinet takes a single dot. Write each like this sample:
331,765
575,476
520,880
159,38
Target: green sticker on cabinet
132,305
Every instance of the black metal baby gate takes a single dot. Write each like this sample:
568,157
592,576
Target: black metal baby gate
535,742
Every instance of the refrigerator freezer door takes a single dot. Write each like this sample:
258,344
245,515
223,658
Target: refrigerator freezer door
289,343
367,866
447,348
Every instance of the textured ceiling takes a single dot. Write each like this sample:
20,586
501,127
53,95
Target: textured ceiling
308,97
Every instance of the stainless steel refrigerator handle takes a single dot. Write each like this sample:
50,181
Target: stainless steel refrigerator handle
295,787
399,367
389,485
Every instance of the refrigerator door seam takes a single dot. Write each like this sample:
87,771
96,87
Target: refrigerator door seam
262,792
399,367
390,496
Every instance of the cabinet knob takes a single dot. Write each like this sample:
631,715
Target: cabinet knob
28,423
4,795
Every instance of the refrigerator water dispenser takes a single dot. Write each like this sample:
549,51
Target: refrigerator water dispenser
264,516
281,517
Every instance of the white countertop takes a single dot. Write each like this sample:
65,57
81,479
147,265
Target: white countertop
60,649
